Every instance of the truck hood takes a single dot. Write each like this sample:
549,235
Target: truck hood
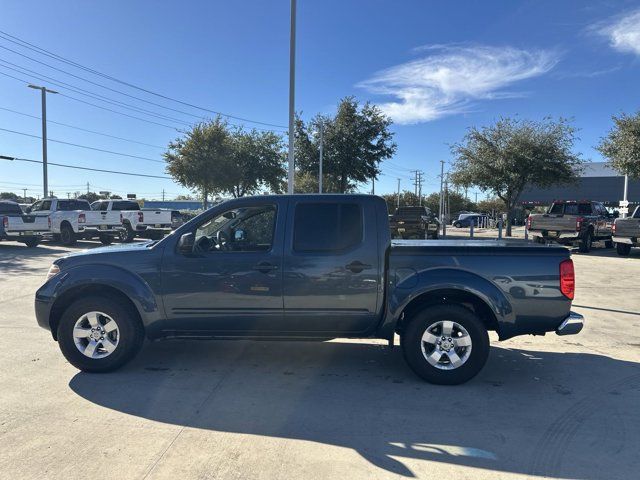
111,250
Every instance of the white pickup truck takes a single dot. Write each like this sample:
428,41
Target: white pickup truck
15,225
72,219
153,224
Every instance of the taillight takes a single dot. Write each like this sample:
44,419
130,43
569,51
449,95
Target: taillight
579,221
82,218
140,217
567,279
5,222
529,222
613,228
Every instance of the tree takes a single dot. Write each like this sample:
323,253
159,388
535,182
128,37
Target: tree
9,196
507,156
90,196
214,158
491,205
622,145
355,141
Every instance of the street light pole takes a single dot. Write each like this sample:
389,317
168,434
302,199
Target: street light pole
321,149
45,179
398,202
626,189
292,85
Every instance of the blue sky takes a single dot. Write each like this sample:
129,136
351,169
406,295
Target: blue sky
436,67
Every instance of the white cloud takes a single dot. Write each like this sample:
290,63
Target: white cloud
450,78
623,32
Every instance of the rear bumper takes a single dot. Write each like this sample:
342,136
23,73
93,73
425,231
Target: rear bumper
153,228
569,236
571,325
627,240
96,230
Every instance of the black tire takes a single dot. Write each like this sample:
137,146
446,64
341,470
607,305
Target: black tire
623,249
540,240
457,225
608,244
127,235
130,330
585,242
32,242
67,235
106,239
155,235
411,341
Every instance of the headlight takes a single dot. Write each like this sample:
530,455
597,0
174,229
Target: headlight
53,271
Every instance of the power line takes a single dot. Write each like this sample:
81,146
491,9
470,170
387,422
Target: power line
22,80
42,51
82,146
82,129
17,159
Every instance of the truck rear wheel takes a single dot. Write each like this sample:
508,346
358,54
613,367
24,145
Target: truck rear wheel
106,239
585,242
623,249
445,344
99,334
67,235
127,235
32,242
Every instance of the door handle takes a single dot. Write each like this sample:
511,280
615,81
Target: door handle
357,266
265,267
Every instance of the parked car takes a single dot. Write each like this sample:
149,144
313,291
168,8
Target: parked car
626,233
306,267
573,223
417,222
24,228
73,219
152,224
465,220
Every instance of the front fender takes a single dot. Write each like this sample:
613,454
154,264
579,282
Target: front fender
95,277
406,285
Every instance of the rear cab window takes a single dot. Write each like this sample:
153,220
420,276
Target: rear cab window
10,209
327,227
70,205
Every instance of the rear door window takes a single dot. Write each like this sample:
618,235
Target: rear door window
327,227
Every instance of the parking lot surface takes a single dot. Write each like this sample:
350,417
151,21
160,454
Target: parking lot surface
558,407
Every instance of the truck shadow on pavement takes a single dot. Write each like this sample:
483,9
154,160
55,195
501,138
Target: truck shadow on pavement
529,412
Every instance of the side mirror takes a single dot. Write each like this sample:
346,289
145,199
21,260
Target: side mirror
185,244
27,210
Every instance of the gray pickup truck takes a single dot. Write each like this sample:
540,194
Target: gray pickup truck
573,223
307,267
626,233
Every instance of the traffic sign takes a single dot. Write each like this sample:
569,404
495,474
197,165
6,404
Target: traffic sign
624,203
623,210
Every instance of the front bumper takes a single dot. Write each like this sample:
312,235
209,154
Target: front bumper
571,325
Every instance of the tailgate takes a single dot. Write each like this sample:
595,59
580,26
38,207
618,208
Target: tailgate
556,223
157,217
27,223
628,227
94,217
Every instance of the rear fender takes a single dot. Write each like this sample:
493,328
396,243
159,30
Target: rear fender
409,286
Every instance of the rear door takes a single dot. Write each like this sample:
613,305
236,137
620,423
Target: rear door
331,267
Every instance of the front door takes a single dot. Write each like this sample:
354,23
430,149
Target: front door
331,267
232,282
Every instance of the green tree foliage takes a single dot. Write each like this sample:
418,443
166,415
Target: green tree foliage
490,205
505,157
90,196
622,145
9,196
356,140
214,158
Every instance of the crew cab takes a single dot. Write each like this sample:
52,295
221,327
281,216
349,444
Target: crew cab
72,219
15,225
307,267
416,222
152,224
573,223
626,233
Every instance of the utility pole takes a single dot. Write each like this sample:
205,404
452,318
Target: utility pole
163,194
415,182
398,202
88,188
476,197
626,189
373,186
292,86
420,187
321,151
45,179
441,205
68,195
24,195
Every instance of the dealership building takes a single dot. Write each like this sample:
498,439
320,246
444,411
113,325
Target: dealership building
598,182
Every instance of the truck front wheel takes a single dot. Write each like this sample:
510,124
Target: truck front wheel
99,334
445,344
